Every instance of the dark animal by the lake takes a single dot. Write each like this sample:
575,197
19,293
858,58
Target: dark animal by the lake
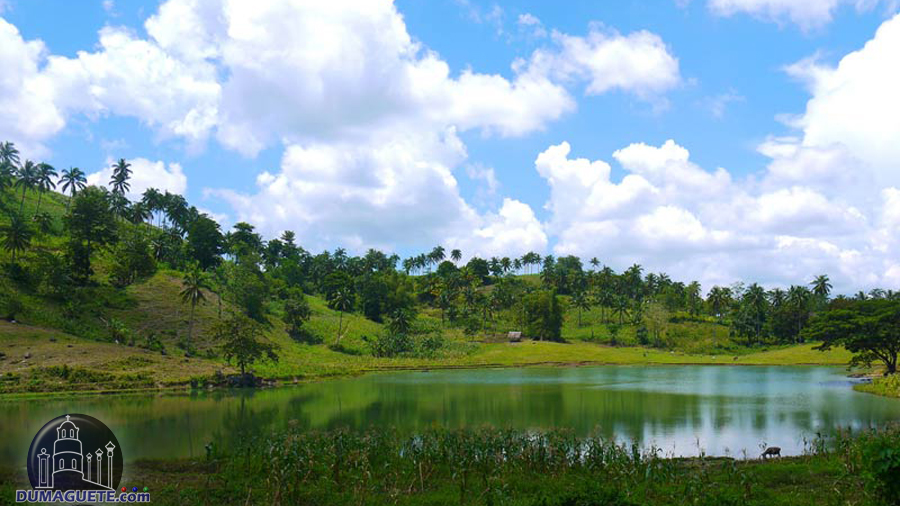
771,451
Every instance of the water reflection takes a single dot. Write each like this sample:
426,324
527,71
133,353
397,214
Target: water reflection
682,409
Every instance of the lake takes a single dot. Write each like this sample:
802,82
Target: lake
722,410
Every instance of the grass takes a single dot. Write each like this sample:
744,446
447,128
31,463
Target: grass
150,323
488,466
888,386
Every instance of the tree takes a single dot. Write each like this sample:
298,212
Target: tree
456,256
798,298
43,179
16,236
121,173
243,342
90,224
821,288
73,181
543,315
400,321
205,242
719,299
868,328
193,283
27,179
297,313
342,301
581,301
9,155
132,257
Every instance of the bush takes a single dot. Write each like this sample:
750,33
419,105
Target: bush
876,454
391,345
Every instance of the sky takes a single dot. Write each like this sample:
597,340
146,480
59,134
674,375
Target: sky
715,140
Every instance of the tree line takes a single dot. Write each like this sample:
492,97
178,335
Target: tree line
482,295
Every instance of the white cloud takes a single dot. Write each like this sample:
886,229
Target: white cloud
530,24
27,99
639,62
145,174
671,215
807,14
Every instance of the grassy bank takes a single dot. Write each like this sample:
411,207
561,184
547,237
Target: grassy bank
888,386
502,467
36,359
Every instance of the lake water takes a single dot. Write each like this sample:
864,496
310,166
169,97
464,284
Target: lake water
721,410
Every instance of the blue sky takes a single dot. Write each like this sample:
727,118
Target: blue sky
338,122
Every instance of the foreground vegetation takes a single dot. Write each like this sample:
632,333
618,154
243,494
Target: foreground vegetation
505,467
105,293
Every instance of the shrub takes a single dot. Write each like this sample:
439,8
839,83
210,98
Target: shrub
390,345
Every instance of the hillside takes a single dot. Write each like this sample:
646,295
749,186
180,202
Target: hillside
101,337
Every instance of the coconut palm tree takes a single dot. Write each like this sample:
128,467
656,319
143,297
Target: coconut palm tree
343,301
581,301
456,256
719,298
27,178
595,263
798,297
7,175
194,282
73,181
120,175
44,181
821,286
16,236
9,155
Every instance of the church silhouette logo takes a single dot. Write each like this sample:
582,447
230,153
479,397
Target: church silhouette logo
75,452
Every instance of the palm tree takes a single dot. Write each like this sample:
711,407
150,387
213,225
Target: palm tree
16,236
7,175
120,176
194,282
595,263
456,256
9,155
798,297
43,181
342,302
821,288
73,181
27,177
719,298
582,302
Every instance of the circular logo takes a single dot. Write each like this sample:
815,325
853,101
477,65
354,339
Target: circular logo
75,452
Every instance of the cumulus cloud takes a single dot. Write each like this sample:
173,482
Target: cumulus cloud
145,174
369,117
672,215
606,60
807,14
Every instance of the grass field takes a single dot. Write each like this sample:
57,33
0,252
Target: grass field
489,466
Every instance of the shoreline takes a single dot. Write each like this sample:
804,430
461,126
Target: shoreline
184,388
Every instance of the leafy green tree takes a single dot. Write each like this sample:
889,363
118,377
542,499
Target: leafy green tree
193,283
870,329
73,180
91,224
132,257
16,236
243,342
543,315
205,242
248,288
719,300
296,314
456,256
